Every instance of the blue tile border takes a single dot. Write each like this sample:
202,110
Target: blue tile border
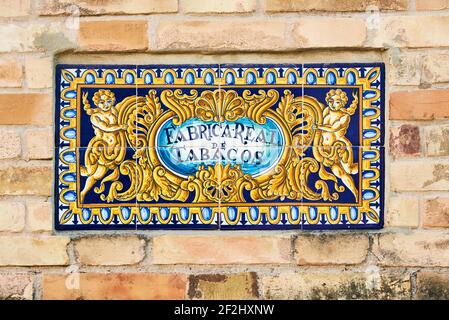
280,78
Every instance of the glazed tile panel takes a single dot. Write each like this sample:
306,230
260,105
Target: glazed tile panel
219,146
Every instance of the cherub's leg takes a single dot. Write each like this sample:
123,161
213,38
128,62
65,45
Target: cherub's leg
348,158
91,180
346,178
111,177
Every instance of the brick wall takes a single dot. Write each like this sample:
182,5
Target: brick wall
409,258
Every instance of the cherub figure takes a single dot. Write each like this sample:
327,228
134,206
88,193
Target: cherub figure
107,149
335,148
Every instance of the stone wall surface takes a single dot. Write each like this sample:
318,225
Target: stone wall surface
407,259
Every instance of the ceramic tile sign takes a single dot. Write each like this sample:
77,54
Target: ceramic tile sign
219,146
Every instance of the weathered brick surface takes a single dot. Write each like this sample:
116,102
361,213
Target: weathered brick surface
113,286
10,146
436,212
419,105
408,31
404,68
418,248
326,249
333,5
26,108
122,250
405,141
37,36
402,211
29,251
432,286
202,249
39,216
14,8
339,285
116,35
38,143
32,178
431,4
435,68
12,216
10,74
204,35
39,72
437,142
419,175
228,6
240,286
16,286
54,7
329,32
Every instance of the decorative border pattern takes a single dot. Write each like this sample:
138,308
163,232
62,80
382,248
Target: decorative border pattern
370,77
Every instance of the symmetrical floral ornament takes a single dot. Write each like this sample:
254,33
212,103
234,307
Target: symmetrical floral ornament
219,147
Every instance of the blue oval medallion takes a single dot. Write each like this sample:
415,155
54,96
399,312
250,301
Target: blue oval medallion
206,212
165,213
294,213
70,113
105,213
230,78
232,213
144,214
70,94
254,213
350,78
273,213
110,79
250,78
331,78
69,196
169,79
291,78
70,133
89,78
190,79
69,157
86,214
148,78
353,213
182,149
129,79
313,213
126,213
311,78
184,212
333,212
271,78
209,78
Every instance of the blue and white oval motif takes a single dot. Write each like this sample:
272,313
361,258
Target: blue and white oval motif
254,213
209,78
291,78
182,149
190,79
110,78
148,78
230,79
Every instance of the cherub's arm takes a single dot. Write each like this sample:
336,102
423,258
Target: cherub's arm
337,125
99,123
86,104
